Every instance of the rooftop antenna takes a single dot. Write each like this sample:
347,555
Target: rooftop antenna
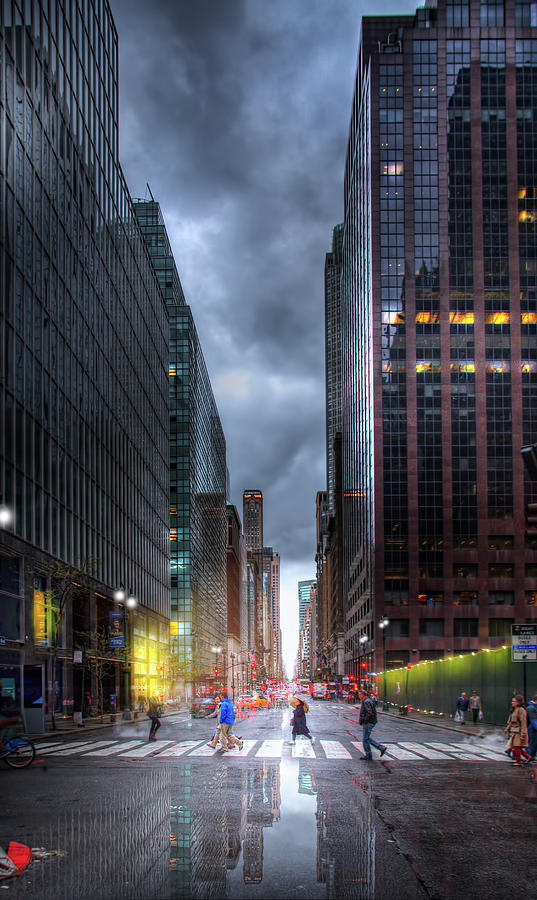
150,192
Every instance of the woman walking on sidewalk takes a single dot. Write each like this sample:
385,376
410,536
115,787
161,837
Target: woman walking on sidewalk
298,719
517,728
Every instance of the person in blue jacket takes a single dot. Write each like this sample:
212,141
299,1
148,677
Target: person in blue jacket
531,714
227,717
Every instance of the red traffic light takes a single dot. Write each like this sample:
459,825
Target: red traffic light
364,665
215,671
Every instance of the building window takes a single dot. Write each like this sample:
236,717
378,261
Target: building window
432,598
395,659
500,542
500,627
501,570
526,14
465,628
464,570
457,14
531,598
432,627
492,13
501,598
397,628
465,598
531,570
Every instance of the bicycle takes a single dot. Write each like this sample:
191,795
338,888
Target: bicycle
18,752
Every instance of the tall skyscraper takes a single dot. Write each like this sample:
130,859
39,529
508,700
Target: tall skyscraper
304,596
275,612
333,337
83,386
197,513
252,518
439,314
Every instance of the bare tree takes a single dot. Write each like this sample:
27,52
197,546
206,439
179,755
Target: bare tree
63,583
101,660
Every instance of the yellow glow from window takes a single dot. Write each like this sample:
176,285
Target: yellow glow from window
174,628
427,318
462,367
172,370
173,534
497,318
392,168
528,318
393,318
528,366
522,193
461,318
498,367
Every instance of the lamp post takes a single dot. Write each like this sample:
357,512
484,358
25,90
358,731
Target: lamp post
128,601
6,516
363,640
232,656
216,651
383,624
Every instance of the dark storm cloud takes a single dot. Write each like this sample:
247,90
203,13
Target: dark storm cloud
236,113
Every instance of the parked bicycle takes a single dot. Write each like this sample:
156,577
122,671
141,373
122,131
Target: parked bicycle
17,752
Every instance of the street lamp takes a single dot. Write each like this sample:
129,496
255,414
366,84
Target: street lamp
216,651
129,601
232,655
383,624
363,640
6,516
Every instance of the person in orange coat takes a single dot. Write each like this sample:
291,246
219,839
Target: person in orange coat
517,729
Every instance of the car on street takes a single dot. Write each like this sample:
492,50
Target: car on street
202,706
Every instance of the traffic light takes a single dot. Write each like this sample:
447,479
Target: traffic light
364,665
215,671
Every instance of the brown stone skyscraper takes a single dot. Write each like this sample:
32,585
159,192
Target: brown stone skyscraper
252,517
439,330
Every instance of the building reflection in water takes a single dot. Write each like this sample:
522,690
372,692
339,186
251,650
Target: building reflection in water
213,820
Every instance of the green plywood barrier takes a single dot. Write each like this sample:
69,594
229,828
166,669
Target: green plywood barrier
437,685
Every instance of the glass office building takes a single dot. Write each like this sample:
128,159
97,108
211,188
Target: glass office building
439,330
197,450
84,360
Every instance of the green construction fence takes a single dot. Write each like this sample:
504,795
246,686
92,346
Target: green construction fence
433,686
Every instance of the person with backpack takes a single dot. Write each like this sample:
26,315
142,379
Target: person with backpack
368,718
154,711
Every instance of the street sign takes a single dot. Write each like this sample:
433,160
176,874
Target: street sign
524,643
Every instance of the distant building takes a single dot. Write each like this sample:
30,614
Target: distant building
237,656
197,509
252,517
304,591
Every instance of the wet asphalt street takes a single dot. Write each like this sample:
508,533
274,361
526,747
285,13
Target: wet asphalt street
440,816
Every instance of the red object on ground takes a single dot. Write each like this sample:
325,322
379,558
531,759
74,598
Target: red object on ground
20,855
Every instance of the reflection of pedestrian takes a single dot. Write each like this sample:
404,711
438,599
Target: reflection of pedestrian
462,706
368,718
154,712
298,720
475,706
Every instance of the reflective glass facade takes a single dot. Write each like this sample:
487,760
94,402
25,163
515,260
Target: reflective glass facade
84,336
198,523
439,323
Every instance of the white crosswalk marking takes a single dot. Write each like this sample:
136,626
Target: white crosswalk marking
179,749
81,748
270,748
463,748
246,747
47,744
117,748
302,750
422,750
359,746
400,753
335,750
63,745
204,750
146,749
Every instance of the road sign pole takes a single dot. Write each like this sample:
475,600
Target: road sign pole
524,681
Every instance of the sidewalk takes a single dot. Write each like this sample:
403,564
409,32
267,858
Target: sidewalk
93,724
440,720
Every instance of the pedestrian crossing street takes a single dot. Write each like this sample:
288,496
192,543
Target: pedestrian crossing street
402,751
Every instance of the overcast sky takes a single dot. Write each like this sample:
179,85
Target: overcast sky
236,114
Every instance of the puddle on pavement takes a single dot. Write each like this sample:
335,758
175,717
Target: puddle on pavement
260,829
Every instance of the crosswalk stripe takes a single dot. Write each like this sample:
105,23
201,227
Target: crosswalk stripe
270,748
179,749
359,746
461,748
48,744
398,752
63,745
246,747
148,748
117,748
422,750
204,750
80,748
335,750
302,749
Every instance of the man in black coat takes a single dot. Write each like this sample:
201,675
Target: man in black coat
368,718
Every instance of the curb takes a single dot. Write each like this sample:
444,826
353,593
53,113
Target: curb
458,729
94,726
